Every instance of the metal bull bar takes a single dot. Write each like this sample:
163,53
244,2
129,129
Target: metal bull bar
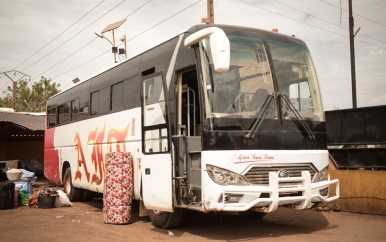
271,203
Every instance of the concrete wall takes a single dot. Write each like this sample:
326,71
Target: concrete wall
361,191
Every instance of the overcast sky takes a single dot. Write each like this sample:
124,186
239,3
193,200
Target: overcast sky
56,38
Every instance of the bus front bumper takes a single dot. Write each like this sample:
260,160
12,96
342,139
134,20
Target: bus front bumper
269,198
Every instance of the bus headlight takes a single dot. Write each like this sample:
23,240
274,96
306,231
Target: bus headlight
322,175
224,177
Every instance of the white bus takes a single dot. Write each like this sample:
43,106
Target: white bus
218,118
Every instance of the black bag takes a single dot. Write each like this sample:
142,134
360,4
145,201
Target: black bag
7,195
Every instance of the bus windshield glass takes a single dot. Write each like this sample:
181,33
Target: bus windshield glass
296,78
240,94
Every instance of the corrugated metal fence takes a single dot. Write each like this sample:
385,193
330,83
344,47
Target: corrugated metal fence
356,138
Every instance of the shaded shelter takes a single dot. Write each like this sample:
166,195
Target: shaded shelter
21,136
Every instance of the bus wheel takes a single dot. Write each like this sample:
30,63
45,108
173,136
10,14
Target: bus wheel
72,192
250,214
165,220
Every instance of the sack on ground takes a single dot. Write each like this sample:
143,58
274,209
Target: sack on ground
62,200
32,202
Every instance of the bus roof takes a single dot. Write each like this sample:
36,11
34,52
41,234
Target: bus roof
193,29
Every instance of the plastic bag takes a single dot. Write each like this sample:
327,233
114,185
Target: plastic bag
27,174
25,191
62,200
31,165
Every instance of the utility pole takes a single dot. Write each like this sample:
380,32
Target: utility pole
14,85
352,54
210,9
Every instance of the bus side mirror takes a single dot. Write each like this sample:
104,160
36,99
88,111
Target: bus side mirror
219,46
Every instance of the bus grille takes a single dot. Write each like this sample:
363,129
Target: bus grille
260,175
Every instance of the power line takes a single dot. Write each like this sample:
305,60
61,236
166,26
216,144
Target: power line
51,42
290,18
128,39
6,83
138,9
59,34
327,21
354,13
96,57
67,41
66,58
14,71
164,20
309,24
74,35
87,43
305,12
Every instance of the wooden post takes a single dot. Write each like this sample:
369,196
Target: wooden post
14,92
210,9
352,54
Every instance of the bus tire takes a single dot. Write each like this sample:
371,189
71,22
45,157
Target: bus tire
165,220
73,193
250,214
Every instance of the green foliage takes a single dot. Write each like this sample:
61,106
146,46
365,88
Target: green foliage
30,99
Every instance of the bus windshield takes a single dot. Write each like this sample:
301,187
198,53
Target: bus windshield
249,85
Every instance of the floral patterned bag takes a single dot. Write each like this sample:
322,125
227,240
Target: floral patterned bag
118,188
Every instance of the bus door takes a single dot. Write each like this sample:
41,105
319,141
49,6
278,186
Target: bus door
156,165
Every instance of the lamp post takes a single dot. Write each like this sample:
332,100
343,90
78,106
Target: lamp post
112,27
14,85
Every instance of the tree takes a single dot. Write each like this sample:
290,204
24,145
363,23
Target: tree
30,99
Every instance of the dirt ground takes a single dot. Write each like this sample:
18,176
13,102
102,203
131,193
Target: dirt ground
84,222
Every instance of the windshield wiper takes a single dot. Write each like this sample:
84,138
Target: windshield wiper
299,121
259,117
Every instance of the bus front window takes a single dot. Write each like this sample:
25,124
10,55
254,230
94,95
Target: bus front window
234,99
296,78
242,90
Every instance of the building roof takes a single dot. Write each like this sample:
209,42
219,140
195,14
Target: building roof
29,121
21,126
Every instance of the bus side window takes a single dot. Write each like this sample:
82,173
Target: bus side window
84,101
75,110
104,100
83,113
64,113
131,92
117,96
94,103
51,117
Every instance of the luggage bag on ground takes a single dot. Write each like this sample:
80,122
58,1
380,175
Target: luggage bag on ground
118,188
7,195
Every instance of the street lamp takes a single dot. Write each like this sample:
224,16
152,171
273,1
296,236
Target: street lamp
112,27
